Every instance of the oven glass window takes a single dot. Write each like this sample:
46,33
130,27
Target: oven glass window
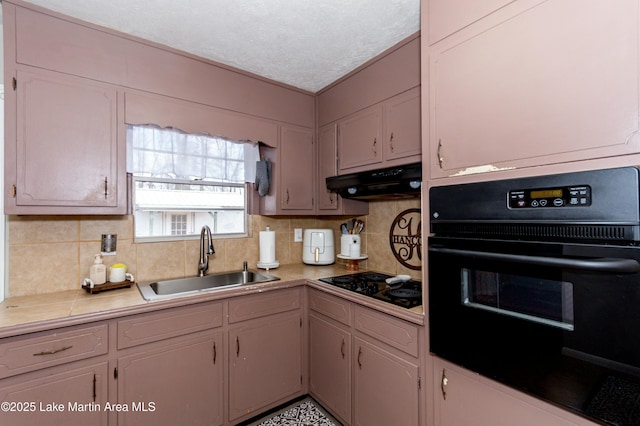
540,300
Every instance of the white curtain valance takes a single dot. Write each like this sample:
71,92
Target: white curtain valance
171,153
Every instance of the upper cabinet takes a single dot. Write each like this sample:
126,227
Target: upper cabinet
64,156
448,16
383,135
65,120
360,139
292,181
377,111
402,138
532,83
330,203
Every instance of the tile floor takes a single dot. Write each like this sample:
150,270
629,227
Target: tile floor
305,412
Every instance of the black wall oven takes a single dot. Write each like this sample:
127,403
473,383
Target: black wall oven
535,282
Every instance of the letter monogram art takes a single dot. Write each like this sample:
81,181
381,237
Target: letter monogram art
405,238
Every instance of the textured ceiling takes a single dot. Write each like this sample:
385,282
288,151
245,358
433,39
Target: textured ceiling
304,43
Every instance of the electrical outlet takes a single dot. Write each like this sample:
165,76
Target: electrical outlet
297,235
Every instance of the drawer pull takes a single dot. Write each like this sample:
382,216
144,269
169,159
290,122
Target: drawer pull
55,351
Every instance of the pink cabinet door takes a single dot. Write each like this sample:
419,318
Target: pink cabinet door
385,386
297,172
360,139
329,367
536,83
463,400
265,363
36,397
66,150
327,166
402,126
178,381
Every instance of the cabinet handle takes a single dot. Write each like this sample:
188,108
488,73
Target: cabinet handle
359,354
391,142
106,186
342,349
94,387
287,195
374,147
55,351
443,383
237,346
215,353
332,197
14,191
440,159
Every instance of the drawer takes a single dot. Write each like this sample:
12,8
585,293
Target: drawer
263,304
28,353
392,331
161,325
330,306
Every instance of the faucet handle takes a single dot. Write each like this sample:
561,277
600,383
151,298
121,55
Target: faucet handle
244,266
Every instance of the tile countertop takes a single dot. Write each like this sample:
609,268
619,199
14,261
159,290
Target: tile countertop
27,314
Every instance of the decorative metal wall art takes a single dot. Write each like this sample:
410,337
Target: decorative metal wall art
405,238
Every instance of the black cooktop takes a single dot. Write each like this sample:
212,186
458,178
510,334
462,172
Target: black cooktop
407,294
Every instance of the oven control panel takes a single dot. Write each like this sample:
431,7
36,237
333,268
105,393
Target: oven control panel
541,198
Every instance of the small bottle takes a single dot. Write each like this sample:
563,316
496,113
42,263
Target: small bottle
98,271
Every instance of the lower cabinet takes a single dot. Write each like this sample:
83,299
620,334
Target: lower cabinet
385,387
55,377
364,364
178,381
463,398
330,366
72,394
170,367
265,363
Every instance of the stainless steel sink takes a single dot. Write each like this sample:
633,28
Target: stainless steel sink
180,286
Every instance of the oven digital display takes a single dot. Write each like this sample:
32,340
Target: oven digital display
540,198
546,193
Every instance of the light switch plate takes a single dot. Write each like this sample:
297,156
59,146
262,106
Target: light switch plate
297,235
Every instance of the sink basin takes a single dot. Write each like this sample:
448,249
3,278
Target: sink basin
180,286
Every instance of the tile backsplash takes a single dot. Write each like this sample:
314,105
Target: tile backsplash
53,253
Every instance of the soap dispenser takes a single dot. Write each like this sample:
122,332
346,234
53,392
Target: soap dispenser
98,271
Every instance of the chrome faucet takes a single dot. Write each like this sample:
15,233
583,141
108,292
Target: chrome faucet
206,248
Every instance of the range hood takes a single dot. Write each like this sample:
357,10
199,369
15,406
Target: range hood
389,183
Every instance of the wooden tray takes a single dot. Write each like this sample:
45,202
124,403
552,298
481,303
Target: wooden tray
107,286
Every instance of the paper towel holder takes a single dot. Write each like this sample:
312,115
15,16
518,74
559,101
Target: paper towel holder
267,250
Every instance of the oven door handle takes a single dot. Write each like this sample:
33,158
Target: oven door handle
603,264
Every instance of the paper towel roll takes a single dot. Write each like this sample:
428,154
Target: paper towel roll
267,246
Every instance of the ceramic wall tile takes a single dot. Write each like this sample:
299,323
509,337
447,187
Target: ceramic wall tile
72,242
91,229
43,268
160,260
42,229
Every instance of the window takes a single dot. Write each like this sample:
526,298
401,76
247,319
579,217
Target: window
184,181
178,224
